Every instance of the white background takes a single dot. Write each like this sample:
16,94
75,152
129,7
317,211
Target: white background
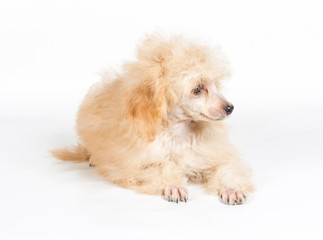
52,51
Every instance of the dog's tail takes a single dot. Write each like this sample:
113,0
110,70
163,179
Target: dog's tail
75,154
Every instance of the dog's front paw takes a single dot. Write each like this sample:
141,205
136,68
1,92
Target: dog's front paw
233,197
175,194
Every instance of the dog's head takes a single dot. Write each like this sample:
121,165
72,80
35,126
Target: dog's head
175,80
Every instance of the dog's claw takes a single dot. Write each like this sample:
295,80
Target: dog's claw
176,194
233,197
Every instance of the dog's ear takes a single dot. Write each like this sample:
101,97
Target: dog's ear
147,108
149,99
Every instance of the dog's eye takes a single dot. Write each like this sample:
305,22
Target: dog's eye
198,89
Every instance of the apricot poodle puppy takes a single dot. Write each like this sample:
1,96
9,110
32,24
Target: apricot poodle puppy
156,126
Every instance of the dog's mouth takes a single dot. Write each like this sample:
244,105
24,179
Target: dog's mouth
211,119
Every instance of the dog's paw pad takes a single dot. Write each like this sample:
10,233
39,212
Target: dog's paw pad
176,194
233,197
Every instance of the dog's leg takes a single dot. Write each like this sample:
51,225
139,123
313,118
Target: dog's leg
163,179
230,181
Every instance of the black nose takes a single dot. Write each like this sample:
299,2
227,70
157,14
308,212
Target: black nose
228,109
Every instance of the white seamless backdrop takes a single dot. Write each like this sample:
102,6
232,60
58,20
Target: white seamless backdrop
51,52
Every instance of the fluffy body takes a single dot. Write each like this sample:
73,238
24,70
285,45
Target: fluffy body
146,129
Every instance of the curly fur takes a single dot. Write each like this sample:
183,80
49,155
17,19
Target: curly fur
140,132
